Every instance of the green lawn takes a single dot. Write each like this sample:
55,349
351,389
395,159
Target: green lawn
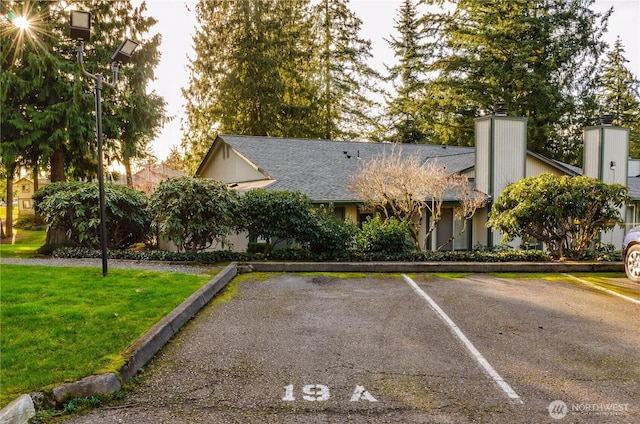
25,246
62,324
24,243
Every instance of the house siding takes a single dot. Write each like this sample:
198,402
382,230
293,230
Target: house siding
501,157
483,155
606,152
228,166
537,167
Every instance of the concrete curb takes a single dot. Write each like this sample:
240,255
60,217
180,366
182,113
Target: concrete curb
139,353
143,349
474,267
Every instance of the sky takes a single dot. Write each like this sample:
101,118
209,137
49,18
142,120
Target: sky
176,23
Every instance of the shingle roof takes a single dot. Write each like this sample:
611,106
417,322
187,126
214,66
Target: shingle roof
321,169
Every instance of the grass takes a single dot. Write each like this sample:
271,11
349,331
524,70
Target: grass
61,324
26,245
602,280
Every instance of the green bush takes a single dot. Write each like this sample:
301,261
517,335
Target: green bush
255,247
194,213
74,207
208,257
383,237
31,223
329,236
568,214
276,216
298,254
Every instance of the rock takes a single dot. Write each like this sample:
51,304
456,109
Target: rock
18,411
87,387
244,269
41,401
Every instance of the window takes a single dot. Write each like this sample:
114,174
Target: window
450,230
26,204
26,188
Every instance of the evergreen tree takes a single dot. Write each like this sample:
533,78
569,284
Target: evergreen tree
251,74
620,95
404,109
175,160
139,114
347,79
47,104
538,58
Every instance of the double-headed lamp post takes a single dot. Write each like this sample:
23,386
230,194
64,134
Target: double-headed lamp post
80,30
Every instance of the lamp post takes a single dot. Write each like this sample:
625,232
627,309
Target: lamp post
80,30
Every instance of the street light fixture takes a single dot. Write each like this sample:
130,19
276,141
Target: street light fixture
80,30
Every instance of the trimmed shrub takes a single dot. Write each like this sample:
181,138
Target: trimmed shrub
331,237
74,207
194,213
383,236
276,216
31,223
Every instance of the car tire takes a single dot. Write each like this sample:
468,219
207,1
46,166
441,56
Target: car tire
632,263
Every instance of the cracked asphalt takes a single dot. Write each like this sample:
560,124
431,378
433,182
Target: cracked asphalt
318,349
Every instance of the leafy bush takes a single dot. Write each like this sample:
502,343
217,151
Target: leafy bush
74,207
567,213
31,223
329,236
208,257
298,254
276,216
388,237
194,213
255,247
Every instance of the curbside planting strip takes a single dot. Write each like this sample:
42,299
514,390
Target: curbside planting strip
472,267
22,409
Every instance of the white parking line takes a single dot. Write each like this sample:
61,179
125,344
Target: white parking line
472,349
595,286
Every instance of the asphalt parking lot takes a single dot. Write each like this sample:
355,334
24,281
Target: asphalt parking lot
384,348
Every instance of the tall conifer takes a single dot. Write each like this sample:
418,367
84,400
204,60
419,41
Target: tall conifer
407,76
537,57
620,94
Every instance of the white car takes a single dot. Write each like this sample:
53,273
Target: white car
631,254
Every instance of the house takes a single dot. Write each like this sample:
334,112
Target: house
150,176
24,189
321,169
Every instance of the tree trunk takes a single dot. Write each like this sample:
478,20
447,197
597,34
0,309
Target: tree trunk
57,235
9,217
36,184
57,166
127,170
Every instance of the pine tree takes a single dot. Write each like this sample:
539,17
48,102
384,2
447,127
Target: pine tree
538,58
252,73
620,95
347,79
404,109
48,105
138,114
